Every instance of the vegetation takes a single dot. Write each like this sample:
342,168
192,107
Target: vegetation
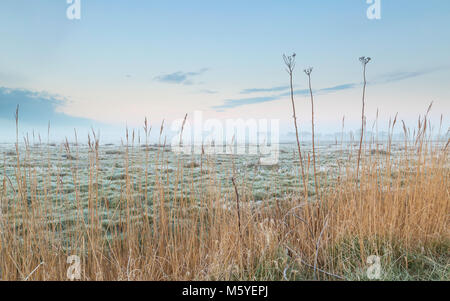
198,218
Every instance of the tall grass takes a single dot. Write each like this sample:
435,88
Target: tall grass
164,224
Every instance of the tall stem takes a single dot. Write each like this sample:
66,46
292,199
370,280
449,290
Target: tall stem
362,123
313,138
296,132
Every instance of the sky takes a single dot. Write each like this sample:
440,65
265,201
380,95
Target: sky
123,61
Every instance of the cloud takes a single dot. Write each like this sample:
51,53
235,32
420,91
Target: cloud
207,91
402,75
258,90
338,88
37,108
382,79
179,77
296,92
233,103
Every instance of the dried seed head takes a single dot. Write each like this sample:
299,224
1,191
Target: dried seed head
289,61
308,71
365,60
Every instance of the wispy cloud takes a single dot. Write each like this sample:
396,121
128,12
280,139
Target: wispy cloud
382,79
402,75
259,90
37,108
233,103
207,91
338,88
296,92
180,77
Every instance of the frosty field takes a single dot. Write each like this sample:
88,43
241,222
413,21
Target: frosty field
146,212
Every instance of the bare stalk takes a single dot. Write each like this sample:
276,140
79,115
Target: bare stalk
308,73
290,64
364,60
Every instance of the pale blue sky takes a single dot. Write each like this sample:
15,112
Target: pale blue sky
128,59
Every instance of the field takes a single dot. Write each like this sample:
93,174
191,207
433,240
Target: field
139,211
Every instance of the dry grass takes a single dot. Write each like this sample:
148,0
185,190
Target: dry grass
399,211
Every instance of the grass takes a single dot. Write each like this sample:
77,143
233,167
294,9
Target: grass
201,218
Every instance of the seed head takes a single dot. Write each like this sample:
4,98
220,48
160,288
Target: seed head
308,71
365,60
289,61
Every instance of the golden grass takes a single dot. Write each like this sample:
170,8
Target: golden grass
398,210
